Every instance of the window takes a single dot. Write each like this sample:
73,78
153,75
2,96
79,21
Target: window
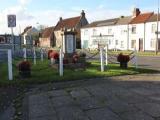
109,42
122,44
85,44
116,42
133,43
85,32
153,28
123,31
133,29
109,31
152,43
94,32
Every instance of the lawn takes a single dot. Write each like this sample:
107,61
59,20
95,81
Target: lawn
138,53
43,73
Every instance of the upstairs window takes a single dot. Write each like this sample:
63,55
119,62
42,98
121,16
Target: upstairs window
85,32
94,32
153,29
109,31
133,29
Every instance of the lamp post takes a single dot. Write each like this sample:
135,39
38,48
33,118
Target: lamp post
156,46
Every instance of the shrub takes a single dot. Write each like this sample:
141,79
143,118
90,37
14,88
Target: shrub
65,61
123,58
75,58
24,66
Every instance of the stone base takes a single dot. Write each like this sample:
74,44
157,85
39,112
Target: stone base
73,66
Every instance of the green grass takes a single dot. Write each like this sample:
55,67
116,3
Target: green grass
43,73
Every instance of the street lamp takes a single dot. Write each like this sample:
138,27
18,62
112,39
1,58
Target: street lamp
156,49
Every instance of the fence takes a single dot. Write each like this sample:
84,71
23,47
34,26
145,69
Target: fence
39,53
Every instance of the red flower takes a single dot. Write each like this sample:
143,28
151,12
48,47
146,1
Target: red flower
49,52
54,55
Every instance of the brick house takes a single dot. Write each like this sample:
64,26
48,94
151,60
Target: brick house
47,38
70,23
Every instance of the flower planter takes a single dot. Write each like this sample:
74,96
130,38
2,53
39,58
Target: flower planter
25,74
124,65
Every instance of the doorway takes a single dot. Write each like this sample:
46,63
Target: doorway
141,44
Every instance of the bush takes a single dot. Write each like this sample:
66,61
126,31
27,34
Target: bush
49,52
123,58
82,54
24,66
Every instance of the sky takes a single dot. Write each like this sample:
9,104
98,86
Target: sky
47,12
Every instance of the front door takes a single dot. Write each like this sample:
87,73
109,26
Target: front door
158,44
140,44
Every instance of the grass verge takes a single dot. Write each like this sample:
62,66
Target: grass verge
43,73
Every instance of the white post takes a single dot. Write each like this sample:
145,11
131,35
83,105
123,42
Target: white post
102,62
10,72
61,63
12,39
106,55
25,54
52,61
136,60
42,55
34,54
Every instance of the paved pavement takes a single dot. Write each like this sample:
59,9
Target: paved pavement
115,98
149,62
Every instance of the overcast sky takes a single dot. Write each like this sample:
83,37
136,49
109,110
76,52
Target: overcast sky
47,12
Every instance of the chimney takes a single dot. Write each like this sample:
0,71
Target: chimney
136,12
83,13
60,19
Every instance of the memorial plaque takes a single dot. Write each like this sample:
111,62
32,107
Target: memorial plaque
70,43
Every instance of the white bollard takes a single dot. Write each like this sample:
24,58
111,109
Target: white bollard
25,54
61,62
102,62
136,59
106,55
34,55
42,55
10,72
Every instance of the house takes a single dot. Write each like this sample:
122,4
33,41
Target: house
47,38
70,23
151,37
122,33
99,33
137,31
27,35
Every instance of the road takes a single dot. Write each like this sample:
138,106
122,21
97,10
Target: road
149,62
